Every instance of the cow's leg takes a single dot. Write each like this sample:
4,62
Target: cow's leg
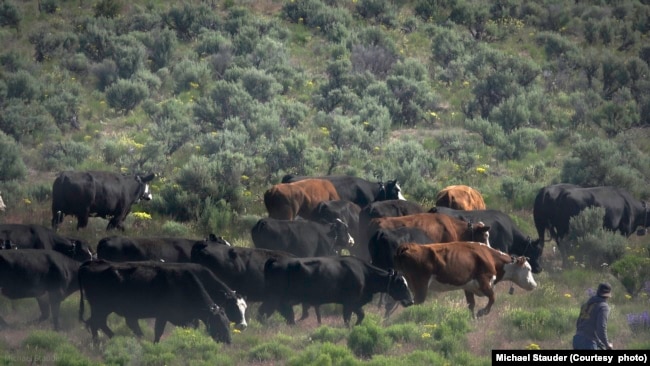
471,302
486,287
159,328
286,311
44,306
55,304
360,314
265,310
317,311
305,312
347,315
97,321
132,323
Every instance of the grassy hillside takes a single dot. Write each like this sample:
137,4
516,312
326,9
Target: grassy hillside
222,98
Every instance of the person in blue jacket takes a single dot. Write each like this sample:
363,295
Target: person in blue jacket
591,326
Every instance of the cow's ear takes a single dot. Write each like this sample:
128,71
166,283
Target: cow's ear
232,254
148,178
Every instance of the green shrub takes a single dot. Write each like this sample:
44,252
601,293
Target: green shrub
589,242
543,323
26,122
403,333
325,334
189,75
368,339
257,83
63,155
22,85
125,95
129,55
49,44
269,352
324,354
10,15
633,270
12,166
105,73
121,350
107,8
174,229
527,140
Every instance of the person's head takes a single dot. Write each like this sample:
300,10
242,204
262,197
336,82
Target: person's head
604,290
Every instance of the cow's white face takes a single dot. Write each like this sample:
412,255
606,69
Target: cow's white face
146,195
520,273
2,204
241,304
399,192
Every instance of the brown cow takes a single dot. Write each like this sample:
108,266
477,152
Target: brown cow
438,227
285,201
460,198
470,266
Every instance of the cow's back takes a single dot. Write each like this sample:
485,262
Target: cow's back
439,227
460,197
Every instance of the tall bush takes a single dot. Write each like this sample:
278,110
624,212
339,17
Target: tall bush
125,95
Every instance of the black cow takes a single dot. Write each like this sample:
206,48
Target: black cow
44,274
169,292
388,208
97,193
357,190
623,213
301,238
346,211
546,207
164,249
31,236
504,233
349,281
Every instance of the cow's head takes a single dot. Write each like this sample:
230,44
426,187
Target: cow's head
519,272
398,289
2,203
533,253
389,191
81,251
8,244
477,232
340,234
235,307
218,325
145,191
213,239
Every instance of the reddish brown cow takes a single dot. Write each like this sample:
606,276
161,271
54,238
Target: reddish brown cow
438,227
460,198
285,201
472,267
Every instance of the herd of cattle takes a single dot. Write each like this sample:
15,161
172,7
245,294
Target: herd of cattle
395,247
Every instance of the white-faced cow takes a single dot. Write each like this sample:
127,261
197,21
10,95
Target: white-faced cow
357,190
504,233
301,238
44,274
177,293
473,267
97,193
163,249
347,280
31,236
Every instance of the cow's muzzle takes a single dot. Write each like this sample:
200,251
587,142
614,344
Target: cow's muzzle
406,303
